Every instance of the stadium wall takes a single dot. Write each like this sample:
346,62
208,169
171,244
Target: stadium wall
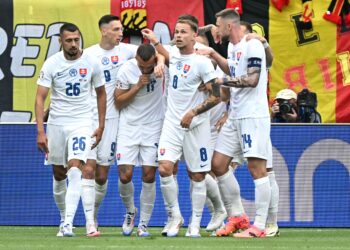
312,165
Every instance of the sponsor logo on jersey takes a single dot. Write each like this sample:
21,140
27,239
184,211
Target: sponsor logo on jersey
83,72
179,65
104,60
162,151
186,68
114,59
73,72
118,156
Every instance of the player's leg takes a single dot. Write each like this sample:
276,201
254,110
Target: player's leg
198,158
147,199
56,141
169,152
255,140
88,197
228,147
78,142
59,192
169,218
271,223
101,183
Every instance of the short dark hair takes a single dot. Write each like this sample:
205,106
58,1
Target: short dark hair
106,19
189,17
71,27
247,25
193,25
146,51
228,14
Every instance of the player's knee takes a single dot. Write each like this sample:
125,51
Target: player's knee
197,177
148,177
218,168
165,170
88,172
100,180
59,173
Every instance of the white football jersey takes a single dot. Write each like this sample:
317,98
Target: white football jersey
147,105
248,102
71,83
110,61
187,72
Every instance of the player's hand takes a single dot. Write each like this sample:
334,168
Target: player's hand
98,135
41,141
275,108
149,34
187,119
159,69
221,121
144,79
255,36
205,51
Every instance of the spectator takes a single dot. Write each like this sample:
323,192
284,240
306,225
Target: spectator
285,108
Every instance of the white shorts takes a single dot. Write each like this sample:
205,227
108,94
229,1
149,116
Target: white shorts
68,142
138,144
104,153
193,143
245,138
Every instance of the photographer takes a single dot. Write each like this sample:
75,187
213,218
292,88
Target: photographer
285,108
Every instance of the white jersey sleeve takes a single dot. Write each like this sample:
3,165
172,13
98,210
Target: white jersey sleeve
45,77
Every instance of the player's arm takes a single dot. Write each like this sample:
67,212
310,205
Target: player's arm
123,97
213,99
40,98
267,48
101,107
250,80
160,67
149,34
220,60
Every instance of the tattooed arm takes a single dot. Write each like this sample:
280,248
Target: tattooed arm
250,80
213,99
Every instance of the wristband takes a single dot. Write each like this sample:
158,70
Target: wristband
266,45
156,44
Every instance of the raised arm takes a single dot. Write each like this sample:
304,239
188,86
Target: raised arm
123,97
268,50
149,34
220,60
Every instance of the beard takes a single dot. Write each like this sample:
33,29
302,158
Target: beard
72,52
225,38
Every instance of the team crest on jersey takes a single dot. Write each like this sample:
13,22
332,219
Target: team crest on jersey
114,59
178,65
83,72
162,151
105,60
118,156
73,72
186,68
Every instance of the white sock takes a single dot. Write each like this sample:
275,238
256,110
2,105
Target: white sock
275,192
100,193
147,199
262,201
199,194
230,194
168,187
73,194
126,192
59,193
177,184
213,193
88,199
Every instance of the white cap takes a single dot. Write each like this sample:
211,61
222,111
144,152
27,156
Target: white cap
286,94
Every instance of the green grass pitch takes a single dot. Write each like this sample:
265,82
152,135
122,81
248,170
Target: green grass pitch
291,238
